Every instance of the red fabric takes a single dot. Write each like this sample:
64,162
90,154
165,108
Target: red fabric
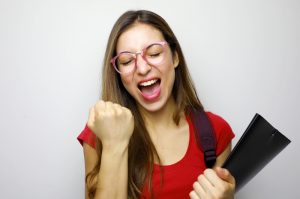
87,136
178,178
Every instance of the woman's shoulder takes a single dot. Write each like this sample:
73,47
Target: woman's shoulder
222,129
217,120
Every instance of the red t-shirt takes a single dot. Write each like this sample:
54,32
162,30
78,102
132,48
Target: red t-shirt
179,177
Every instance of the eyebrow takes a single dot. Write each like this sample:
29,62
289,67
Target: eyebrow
128,51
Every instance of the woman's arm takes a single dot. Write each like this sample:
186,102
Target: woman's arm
223,156
90,161
113,125
113,174
112,177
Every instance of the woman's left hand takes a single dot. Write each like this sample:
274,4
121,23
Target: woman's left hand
214,184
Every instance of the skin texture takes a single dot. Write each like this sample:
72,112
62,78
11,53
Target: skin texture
133,40
216,183
114,124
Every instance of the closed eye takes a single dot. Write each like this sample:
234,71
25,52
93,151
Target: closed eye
155,55
126,63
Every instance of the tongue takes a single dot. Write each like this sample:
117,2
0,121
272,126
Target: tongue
150,90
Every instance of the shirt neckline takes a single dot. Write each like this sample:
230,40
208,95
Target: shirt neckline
185,156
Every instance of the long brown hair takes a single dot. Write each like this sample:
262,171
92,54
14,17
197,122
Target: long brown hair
141,149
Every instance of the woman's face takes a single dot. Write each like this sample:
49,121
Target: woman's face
150,85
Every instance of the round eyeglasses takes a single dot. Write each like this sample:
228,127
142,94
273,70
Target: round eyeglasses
125,62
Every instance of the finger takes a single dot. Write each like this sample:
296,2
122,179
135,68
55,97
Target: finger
91,118
117,105
198,189
127,111
193,195
212,177
109,108
108,105
99,109
118,108
225,175
100,105
205,184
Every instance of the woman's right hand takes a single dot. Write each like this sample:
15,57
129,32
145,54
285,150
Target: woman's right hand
111,123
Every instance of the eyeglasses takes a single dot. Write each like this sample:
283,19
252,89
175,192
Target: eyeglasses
125,62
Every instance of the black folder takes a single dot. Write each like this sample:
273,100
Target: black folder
259,144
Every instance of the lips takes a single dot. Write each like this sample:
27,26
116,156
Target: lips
150,89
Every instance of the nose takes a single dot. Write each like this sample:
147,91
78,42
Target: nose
142,66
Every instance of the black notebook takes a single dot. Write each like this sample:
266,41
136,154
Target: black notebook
259,144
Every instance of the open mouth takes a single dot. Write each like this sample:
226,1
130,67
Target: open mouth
150,88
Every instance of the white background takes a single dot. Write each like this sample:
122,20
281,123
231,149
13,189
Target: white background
244,57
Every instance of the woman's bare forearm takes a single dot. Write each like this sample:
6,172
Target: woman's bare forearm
113,174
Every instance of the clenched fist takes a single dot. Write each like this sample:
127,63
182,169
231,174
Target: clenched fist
111,123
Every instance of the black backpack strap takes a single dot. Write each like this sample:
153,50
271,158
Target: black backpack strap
205,136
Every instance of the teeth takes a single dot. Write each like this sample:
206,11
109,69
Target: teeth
148,83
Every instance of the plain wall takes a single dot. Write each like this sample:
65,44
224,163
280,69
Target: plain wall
244,57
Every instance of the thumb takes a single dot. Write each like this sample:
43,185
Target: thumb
225,175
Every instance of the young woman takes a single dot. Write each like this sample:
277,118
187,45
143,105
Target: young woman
139,141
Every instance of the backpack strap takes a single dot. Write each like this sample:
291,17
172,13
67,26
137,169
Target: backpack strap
205,136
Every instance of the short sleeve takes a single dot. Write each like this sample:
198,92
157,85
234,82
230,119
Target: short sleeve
223,132
87,136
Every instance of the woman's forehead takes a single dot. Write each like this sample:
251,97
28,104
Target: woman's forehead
138,37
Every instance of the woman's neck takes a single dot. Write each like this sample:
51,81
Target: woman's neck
161,119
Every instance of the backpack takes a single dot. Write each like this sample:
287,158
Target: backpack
205,136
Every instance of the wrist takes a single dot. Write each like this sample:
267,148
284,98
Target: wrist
114,148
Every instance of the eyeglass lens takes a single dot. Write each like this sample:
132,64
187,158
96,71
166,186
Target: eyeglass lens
126,61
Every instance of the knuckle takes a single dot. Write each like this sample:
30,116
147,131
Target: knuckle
127,111
100,103
109,104
116,105
118,111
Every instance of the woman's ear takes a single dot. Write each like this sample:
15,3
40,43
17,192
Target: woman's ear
175,59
